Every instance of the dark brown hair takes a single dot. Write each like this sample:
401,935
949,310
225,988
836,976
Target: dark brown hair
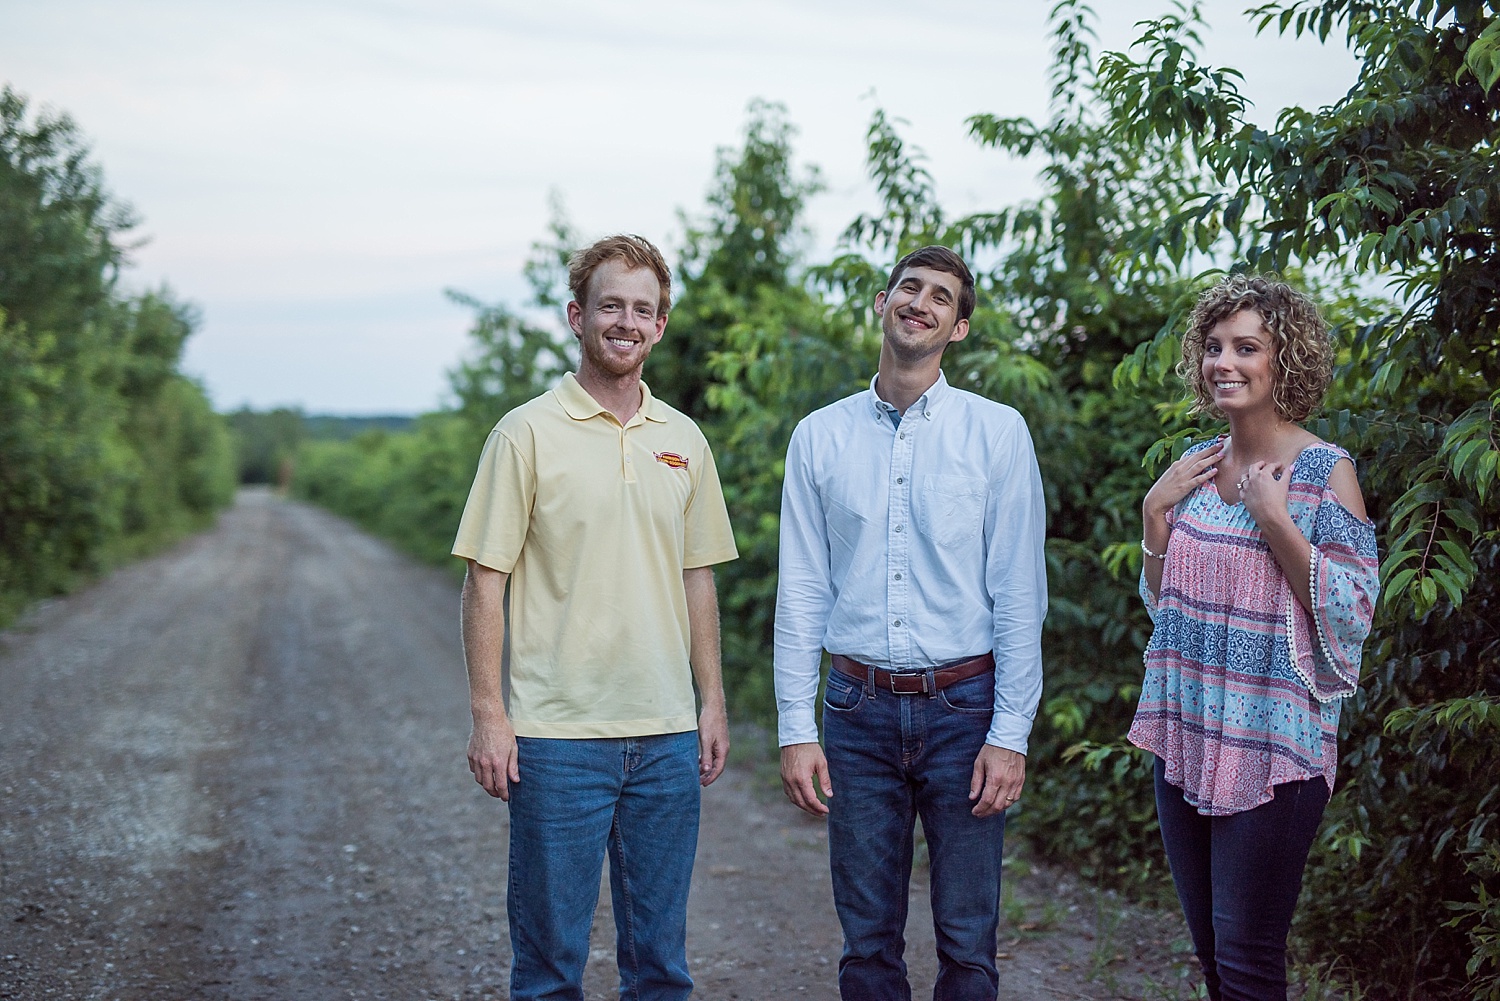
939,259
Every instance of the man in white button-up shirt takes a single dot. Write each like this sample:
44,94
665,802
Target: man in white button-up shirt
912,523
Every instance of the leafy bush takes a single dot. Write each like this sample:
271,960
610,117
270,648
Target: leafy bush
105,448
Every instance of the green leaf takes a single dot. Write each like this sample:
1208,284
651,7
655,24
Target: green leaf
1483,57
1449,585
1398,584
1470,450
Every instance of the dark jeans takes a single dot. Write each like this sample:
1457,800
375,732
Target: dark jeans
892,758
1238,878
635,798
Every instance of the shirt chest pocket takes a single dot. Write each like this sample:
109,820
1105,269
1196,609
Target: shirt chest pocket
952,508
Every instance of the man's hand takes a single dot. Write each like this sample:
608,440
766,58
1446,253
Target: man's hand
800,765
713,743
493,758
492,742
999,775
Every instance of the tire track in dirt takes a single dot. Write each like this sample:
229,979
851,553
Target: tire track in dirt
235,771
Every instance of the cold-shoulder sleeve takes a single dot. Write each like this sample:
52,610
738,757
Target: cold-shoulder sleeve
1344,580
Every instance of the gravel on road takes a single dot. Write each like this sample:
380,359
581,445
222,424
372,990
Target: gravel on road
236,771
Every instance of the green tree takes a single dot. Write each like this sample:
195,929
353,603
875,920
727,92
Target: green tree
58,256
1400,178
176,453
266,442
744,251
104,448
749,350
407,486
1067,286
410,486
514,359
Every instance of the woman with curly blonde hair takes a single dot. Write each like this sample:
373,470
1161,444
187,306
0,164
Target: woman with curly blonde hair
1260,577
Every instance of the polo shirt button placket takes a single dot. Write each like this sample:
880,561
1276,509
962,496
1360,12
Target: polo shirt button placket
627,467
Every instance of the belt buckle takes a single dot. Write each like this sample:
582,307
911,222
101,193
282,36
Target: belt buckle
920,677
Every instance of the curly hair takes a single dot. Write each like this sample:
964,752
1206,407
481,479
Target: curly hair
1301,349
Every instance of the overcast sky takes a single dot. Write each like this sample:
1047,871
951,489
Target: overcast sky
313,174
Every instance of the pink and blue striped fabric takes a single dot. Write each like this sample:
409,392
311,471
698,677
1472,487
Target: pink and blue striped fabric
1243,685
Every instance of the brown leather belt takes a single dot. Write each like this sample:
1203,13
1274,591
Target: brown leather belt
915,682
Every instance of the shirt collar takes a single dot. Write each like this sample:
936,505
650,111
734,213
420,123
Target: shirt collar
927,404
580,406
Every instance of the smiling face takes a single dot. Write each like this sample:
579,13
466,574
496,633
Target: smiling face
1238,365
619,322
919,315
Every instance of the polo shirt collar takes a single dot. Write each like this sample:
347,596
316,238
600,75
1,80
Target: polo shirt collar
927,404
580,406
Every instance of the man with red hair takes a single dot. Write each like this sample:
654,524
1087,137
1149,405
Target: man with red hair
600,507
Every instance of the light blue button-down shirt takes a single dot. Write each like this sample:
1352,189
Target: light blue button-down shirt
910,546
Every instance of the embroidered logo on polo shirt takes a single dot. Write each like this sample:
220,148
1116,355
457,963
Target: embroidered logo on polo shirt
672,459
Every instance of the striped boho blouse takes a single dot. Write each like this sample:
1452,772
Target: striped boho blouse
1243,686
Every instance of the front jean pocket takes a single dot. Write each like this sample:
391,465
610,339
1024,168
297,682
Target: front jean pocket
972,695
842,693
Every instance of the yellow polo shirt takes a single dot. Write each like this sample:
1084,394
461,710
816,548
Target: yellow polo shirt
595,523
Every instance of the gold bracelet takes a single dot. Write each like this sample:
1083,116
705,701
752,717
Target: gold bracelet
1148,552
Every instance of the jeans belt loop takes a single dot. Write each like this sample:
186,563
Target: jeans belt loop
869,682
929,682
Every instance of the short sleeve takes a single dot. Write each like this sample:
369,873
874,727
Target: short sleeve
497,514
707,535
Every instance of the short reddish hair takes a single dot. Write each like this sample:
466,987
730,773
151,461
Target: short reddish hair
635,251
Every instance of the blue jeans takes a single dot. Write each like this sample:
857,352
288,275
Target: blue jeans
892,758
1238,878
635,798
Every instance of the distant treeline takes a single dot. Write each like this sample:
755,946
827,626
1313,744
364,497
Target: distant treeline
106,449
1151,176
266,441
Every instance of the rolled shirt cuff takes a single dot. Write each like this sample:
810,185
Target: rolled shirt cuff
1009,731
796,724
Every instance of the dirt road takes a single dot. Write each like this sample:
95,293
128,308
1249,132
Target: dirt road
235,771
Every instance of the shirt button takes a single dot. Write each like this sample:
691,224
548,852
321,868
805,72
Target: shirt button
898,576
898,528
896,623
627,458
900,479
903,434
